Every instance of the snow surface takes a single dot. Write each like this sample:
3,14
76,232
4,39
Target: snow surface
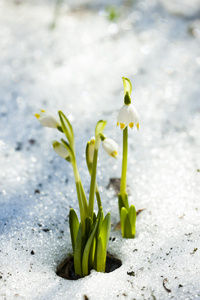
77,67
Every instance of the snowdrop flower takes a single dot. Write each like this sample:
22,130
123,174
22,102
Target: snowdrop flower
128,116
110,146
47,120
60,149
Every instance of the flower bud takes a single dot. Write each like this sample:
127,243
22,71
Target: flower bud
60,149
47,120
110,146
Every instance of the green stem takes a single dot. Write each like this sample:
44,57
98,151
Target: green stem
98,197
82,201
93,183
82,215
96,191
124,163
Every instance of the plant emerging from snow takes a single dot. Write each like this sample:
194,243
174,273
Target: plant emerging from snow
90,235
127,116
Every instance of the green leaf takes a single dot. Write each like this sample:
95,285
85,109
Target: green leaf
123,216
87,251
132,217
123,202
99,128
74,225
92,254
89,164
94,217
126,205
88,227
78,252
67,128
102,243
120,203
100,260
100,218
128,219
127,228
127,86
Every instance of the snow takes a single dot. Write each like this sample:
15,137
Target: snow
77,67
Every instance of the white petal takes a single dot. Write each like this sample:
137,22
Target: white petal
110,146
123,115
128,115
133,115
47,120
60,149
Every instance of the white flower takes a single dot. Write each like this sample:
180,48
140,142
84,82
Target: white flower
110,147
60,149
46,119
128,116
91,149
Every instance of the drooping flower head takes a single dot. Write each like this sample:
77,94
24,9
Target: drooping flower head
61,150
110,146
47,120
128,115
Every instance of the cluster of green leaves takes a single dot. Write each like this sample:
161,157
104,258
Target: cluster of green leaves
90,236
89,245
128,217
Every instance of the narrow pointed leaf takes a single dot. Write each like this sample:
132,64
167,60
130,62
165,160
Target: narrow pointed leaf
89,164
67,128
74,225
94,217
132,217
123,216
87,251
125,200
120,203
92,255
78,253
102,243
100,258
127,228
100,218
88,227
